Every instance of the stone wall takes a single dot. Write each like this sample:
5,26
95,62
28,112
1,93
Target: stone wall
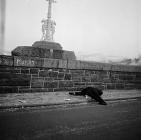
26,74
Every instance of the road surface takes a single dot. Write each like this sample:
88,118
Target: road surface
117,121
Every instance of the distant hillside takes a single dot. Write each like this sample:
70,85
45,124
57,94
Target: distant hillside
109,59
126,61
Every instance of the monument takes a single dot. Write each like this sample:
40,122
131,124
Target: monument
46,47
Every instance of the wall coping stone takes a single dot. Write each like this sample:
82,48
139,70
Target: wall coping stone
23,61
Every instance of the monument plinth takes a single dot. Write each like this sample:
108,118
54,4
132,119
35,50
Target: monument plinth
41,52
46,47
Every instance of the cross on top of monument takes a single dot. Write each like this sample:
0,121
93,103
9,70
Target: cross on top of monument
49,7
48,25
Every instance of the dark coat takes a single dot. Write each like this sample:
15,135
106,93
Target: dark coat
94,93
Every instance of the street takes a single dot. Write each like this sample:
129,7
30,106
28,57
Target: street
117,121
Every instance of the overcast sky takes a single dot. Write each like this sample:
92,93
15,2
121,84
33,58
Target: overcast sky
99,27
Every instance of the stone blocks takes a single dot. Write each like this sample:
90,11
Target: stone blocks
43,49
6,60
69,55
63,84
28,61
31,52
51,84
31,74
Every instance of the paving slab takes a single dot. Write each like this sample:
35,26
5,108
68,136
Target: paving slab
55,98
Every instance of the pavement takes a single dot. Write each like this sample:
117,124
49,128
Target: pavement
21,100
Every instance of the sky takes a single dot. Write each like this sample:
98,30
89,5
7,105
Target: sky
91,28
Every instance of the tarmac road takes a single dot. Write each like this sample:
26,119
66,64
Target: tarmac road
118,120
